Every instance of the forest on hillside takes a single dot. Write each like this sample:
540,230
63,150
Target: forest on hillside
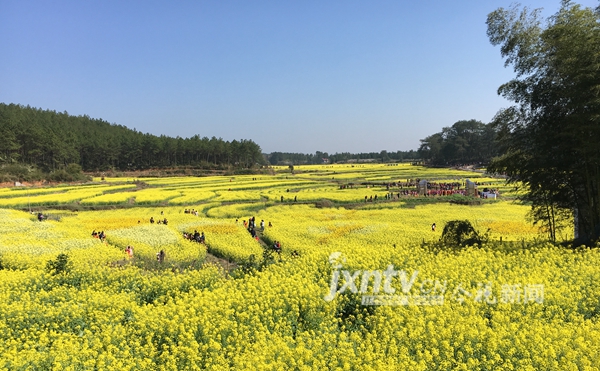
51,140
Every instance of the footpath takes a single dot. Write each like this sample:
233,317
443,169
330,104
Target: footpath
228,265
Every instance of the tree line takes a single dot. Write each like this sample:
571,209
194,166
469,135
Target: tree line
465,142
288,158
51,140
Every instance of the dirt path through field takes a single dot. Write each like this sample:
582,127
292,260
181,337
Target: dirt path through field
224,263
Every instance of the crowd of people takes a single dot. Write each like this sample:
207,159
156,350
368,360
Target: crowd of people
445,192
163,221
195,237
250,225
191,211
444,186
100,235
411,188
277,246
371,199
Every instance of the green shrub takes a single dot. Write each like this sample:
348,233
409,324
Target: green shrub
62,264
19,172
461,233
71,173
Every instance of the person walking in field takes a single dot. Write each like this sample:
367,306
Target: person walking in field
129,251
160,256
433,227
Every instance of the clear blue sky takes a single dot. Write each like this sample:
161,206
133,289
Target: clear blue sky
294,76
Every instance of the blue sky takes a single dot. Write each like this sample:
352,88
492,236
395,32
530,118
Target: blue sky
293,76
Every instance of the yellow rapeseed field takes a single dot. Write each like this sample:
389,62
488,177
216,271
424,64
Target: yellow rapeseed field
356,285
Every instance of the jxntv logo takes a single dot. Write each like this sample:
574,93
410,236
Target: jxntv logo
399,288
388,280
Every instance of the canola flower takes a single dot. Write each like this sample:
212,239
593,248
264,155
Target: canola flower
114,313
192,197
152,196
108,199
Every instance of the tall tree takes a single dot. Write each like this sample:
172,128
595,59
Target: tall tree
551,135
465,142
431,148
